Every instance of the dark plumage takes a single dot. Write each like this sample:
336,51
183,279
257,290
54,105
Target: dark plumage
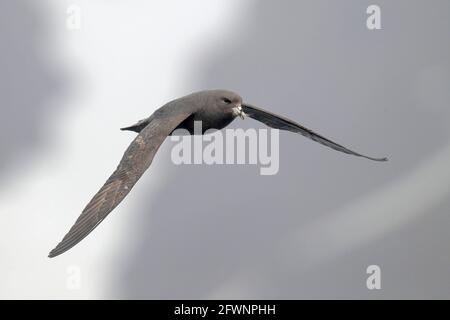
216,109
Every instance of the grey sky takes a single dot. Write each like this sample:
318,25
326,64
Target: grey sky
308,232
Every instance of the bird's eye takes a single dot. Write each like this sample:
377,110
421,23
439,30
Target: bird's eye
226,100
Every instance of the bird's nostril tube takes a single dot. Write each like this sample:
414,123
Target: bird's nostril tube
238,112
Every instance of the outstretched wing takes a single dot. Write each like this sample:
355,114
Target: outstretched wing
135,161
282,123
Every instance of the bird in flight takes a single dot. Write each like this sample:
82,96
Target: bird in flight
214,108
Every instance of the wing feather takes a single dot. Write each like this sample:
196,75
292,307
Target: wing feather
136,159
278,122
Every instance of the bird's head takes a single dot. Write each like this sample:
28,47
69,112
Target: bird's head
230,102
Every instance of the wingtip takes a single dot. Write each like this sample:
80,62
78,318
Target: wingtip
379,159
52,254
55,252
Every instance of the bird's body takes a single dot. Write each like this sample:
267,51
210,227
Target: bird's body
203,106
214,108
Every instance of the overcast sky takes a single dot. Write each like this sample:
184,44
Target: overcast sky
308,232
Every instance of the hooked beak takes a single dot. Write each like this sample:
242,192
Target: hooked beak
239,112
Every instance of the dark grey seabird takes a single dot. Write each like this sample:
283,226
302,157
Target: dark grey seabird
215,109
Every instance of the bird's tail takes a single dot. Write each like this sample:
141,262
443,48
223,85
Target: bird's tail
137,127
